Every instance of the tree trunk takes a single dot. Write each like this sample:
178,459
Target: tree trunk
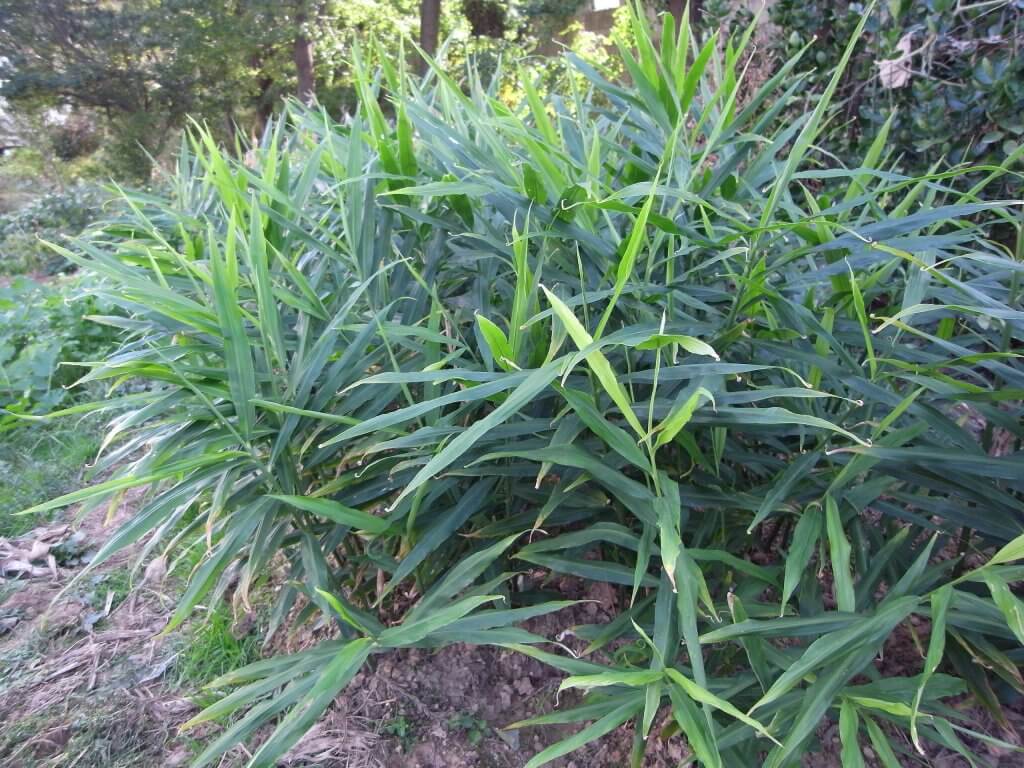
486,17
675,7
430,26
304,63
264,104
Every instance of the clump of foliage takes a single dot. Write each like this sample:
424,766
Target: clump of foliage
43,335
50,217
963,94
611,333
725,15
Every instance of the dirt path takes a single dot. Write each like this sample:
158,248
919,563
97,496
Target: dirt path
81,667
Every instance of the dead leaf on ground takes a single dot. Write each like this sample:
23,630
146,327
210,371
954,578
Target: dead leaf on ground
895,73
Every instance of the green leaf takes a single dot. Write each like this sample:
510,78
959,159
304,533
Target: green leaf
880,742
501,350
805,538
339,513
536,382
702,695
810,130
614,437
818,698
797,470
839,555
628,261
668,512
411,632
592,732
300,719
1010,552
596,360
696,727
849,725
632,679
1011,606
238,359
936,648
863,633
680,416
689,343
440,530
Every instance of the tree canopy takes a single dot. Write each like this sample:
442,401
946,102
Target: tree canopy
141,67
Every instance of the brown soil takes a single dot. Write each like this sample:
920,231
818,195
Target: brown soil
452,707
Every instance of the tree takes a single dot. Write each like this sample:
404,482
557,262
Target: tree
676,8
430,25
487,18
142,66
303,53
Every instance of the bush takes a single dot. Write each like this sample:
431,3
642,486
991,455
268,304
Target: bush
43,333
77,136
961,93
614,336
51,217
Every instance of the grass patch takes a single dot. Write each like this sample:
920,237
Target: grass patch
13,735
40,461
212,650
109,733
15,661
113,586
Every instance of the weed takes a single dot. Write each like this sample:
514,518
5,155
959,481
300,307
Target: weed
18,659
111,732
15,734
108,588
474,728
402,729
51,217
44,342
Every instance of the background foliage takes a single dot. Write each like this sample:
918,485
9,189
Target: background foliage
49,217
965,94
127,76
43,335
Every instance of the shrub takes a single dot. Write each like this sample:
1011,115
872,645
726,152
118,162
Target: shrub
43,334
962,98
77,136
52,217
613,335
